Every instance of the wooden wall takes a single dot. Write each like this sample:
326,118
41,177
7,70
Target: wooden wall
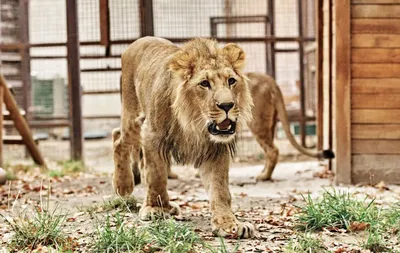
375,90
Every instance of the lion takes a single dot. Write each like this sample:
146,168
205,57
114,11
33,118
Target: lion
268,106
185,103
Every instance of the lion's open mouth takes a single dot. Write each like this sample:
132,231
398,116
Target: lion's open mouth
225,127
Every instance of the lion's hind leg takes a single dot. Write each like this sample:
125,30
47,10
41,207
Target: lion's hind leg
271,159
265,134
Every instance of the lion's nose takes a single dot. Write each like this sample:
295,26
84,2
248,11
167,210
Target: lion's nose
225,106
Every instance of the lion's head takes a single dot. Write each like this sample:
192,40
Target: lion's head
212,96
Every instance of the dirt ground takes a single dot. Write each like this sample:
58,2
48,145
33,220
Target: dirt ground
268,205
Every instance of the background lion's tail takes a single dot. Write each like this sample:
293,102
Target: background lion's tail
283,117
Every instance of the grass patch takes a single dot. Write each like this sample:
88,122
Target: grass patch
166,235
41,227
222,248
13,170
128,204
69,167
115,235
340,210
306,243
336,209
376,242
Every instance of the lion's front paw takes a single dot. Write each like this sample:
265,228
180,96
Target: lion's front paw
151,212
123,185
229,226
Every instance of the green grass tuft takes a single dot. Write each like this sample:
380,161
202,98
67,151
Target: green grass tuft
39,228
336,209
306,243
170,236
68,167
173,237
114,236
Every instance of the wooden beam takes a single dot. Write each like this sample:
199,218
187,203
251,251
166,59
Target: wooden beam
375,2
343,78
25,55
1,125
74,81
375,11
302,122
375,85
375,55
104,23
375,116
375,101
375,40
376,147
375,70
375,131
375,26
146,18
319,21
20,124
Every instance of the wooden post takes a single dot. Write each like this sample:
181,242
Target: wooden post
301,76
105,25
146,18
330,63
343,78
271,45
1,125
319,18
20,123
25,55
74,81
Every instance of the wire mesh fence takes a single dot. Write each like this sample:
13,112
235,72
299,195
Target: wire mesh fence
268,31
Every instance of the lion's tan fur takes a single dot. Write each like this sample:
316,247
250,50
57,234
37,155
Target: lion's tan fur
268,105
165,113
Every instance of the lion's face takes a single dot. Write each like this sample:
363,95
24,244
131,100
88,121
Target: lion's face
213,97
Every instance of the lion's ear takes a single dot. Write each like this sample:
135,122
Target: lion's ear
234,55
183,63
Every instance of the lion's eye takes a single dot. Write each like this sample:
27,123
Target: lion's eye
205,84
231,81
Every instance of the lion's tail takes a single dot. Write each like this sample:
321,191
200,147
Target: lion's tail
283,117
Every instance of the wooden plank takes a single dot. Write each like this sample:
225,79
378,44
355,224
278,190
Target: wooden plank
375,1
375,55
342,65
375,11
373,168
377,116
376,40
375,85
20,124
375,101
146,18
319,72
16,140
375,161
375,26
1,126
74,81
376,146
375,70
376,131
104,23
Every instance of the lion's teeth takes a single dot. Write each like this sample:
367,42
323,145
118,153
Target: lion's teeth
229,127
218,128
